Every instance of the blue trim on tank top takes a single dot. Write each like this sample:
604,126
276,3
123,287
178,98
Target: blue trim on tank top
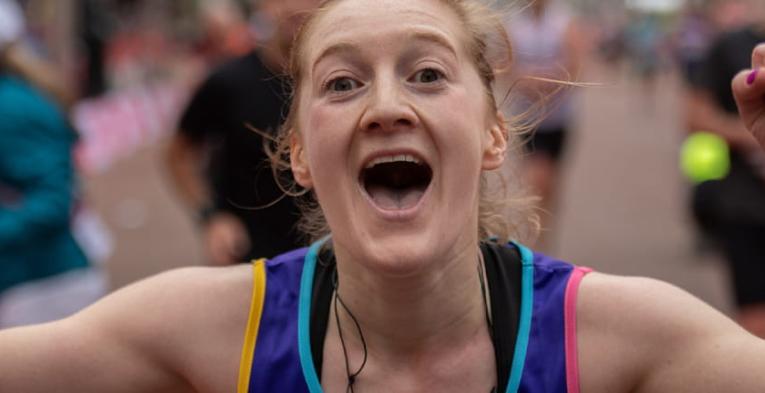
524,324
304,318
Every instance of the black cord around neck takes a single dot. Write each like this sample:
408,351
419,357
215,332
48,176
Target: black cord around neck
351,376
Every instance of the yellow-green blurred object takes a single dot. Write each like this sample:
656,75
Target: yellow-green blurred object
705,156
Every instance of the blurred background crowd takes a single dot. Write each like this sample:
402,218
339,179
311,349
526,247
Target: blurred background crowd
627,185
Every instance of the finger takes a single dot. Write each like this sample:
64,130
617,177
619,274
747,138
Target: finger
758,56
219,251
242,246
749,88
218,256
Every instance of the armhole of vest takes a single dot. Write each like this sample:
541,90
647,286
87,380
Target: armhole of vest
253,324
569,315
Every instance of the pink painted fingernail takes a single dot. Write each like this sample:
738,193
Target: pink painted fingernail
752,77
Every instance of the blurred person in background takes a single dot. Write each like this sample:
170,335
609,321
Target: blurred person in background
643,39
732,210
548,44
217,160
691,39
226,32
44,274
95,27
21,60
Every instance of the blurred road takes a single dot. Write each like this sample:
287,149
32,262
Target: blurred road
622,210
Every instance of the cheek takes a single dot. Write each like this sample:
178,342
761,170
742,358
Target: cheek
462,117
327,141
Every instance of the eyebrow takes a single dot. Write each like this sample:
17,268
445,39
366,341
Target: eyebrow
353,47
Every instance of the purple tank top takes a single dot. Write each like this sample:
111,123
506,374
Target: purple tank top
276,356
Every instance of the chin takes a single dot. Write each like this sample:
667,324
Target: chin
405,253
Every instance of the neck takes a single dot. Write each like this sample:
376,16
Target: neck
401,317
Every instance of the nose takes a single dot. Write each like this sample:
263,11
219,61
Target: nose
388,108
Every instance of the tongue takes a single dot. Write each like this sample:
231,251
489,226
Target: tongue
393,199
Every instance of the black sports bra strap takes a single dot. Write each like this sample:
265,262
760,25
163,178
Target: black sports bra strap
320,302
503,271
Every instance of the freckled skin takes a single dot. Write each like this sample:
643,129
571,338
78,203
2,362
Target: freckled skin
446,121
411,283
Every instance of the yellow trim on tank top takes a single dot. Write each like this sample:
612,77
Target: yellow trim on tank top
253,324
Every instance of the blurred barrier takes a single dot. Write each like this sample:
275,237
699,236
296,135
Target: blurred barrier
114,126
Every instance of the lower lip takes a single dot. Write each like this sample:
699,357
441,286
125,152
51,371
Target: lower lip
397,215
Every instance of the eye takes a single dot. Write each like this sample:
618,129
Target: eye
428,75
341,85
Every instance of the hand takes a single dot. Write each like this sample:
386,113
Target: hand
226,239
749,90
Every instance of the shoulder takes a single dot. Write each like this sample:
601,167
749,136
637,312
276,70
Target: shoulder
645,306
734,40
170,300
561,14
16,94
247,67
648,333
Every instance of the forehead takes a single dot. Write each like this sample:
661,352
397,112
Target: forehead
371,21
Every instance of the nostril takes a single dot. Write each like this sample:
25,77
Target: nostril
404,122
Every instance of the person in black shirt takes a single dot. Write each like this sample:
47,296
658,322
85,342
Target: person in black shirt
218,162
732,209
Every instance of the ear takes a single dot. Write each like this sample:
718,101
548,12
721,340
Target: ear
299,162
495,143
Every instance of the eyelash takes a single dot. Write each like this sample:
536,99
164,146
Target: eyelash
441,75
330,83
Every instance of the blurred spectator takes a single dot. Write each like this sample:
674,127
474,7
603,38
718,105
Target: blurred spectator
226,33
733,209
548,44
44,274
692,37
95,25
21,60
643,43
218,162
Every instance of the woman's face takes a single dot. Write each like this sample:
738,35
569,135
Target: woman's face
395,129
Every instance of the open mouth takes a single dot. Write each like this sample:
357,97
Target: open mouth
396,182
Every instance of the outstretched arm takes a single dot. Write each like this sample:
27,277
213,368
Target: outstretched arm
643,335
749,90
181,331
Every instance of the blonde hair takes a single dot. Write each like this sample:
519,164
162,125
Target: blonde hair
501,215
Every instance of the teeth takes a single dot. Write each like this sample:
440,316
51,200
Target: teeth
393,158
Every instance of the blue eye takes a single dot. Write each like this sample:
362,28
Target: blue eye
342,84
428,75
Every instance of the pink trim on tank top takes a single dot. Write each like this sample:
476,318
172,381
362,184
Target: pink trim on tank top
569,315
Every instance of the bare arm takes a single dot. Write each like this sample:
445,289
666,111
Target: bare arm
184,163
226,238
574,51
643,335
178,332
39,73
